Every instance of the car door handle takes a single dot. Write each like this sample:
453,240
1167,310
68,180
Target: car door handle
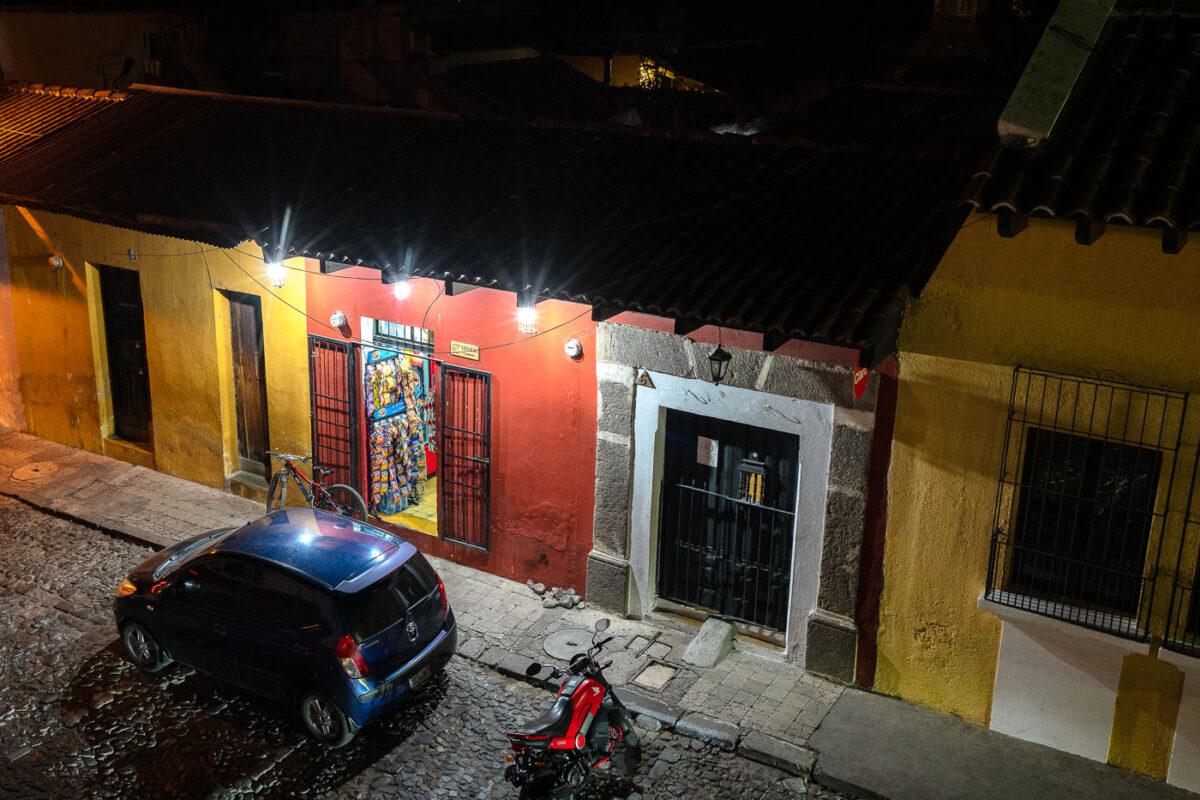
219,628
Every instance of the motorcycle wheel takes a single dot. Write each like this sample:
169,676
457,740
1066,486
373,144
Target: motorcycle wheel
538,790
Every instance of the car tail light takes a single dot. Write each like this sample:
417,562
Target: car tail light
126,588
442,592
351,658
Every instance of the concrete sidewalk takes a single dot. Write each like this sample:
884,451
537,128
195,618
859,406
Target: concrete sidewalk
852,741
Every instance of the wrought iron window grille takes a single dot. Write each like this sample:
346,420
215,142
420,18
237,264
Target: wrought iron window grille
1183,617
1086,475
403,337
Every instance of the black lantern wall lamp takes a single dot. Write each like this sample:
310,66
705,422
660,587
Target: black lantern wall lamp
718,361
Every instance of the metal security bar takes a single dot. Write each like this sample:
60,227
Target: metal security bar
726,554
464,490
1183,618
1085,482
334,408
1183,622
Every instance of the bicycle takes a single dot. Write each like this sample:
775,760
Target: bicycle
338,498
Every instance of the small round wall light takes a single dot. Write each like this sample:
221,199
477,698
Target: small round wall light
337,319
56,261
573,348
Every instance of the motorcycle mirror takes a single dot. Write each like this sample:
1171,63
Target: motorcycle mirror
601,625
533,669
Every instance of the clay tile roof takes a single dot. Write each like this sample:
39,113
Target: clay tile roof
1125,148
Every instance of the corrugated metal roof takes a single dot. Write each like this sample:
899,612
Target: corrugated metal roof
1125,148
797,242
212,168
30,112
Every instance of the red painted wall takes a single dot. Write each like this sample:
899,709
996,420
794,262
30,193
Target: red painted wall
543,413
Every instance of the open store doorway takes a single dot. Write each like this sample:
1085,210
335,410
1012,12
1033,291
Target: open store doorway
399,390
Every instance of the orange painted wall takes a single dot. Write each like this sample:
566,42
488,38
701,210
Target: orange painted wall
543,414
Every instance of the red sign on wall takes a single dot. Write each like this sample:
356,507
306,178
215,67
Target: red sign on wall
862,376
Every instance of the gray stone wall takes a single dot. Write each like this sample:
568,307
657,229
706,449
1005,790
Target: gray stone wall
622,353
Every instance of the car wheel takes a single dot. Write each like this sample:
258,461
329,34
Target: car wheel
142,649
324,720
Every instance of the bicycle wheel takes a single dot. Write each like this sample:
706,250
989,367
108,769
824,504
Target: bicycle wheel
342,499
277,491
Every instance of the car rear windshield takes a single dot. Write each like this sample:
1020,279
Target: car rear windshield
387,601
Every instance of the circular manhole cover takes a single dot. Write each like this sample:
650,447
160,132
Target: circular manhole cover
567,642
31,472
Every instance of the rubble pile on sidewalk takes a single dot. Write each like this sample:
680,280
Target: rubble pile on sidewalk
556,597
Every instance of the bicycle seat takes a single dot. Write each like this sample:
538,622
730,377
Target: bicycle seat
321,471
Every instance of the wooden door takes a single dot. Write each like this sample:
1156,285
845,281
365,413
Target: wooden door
249,381
128,374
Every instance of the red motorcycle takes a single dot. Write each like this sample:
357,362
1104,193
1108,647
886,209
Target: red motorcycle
555,754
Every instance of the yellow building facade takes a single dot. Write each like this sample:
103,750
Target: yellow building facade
1118,310
66,388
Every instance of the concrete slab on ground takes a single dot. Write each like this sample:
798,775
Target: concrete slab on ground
879,747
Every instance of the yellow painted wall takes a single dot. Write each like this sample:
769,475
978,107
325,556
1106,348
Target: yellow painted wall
1119,306
59,332
1144,718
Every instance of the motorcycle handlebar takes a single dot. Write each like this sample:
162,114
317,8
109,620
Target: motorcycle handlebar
603,642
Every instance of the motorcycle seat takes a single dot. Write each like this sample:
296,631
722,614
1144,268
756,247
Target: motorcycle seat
553,723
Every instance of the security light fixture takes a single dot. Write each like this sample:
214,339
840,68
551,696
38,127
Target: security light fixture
397,276
276,272
526,313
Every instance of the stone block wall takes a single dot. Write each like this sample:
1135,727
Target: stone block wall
626,354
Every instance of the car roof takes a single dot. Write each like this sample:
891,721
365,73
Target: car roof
328,548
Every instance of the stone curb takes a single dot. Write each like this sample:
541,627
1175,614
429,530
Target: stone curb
135,535
765,749
844,787
708,729
645,706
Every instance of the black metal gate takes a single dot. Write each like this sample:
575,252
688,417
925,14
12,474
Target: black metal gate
332,386
465,457
726,518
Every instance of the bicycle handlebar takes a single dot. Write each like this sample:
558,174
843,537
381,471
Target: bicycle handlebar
287,456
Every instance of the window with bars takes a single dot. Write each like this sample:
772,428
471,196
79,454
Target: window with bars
1085,480
403,337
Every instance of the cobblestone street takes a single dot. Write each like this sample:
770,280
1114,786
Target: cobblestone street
77,719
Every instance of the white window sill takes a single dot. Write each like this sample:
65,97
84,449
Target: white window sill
1031,619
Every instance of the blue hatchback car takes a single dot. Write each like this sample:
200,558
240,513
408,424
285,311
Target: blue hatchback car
335,617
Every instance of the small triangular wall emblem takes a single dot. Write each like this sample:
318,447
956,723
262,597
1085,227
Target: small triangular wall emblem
644,380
